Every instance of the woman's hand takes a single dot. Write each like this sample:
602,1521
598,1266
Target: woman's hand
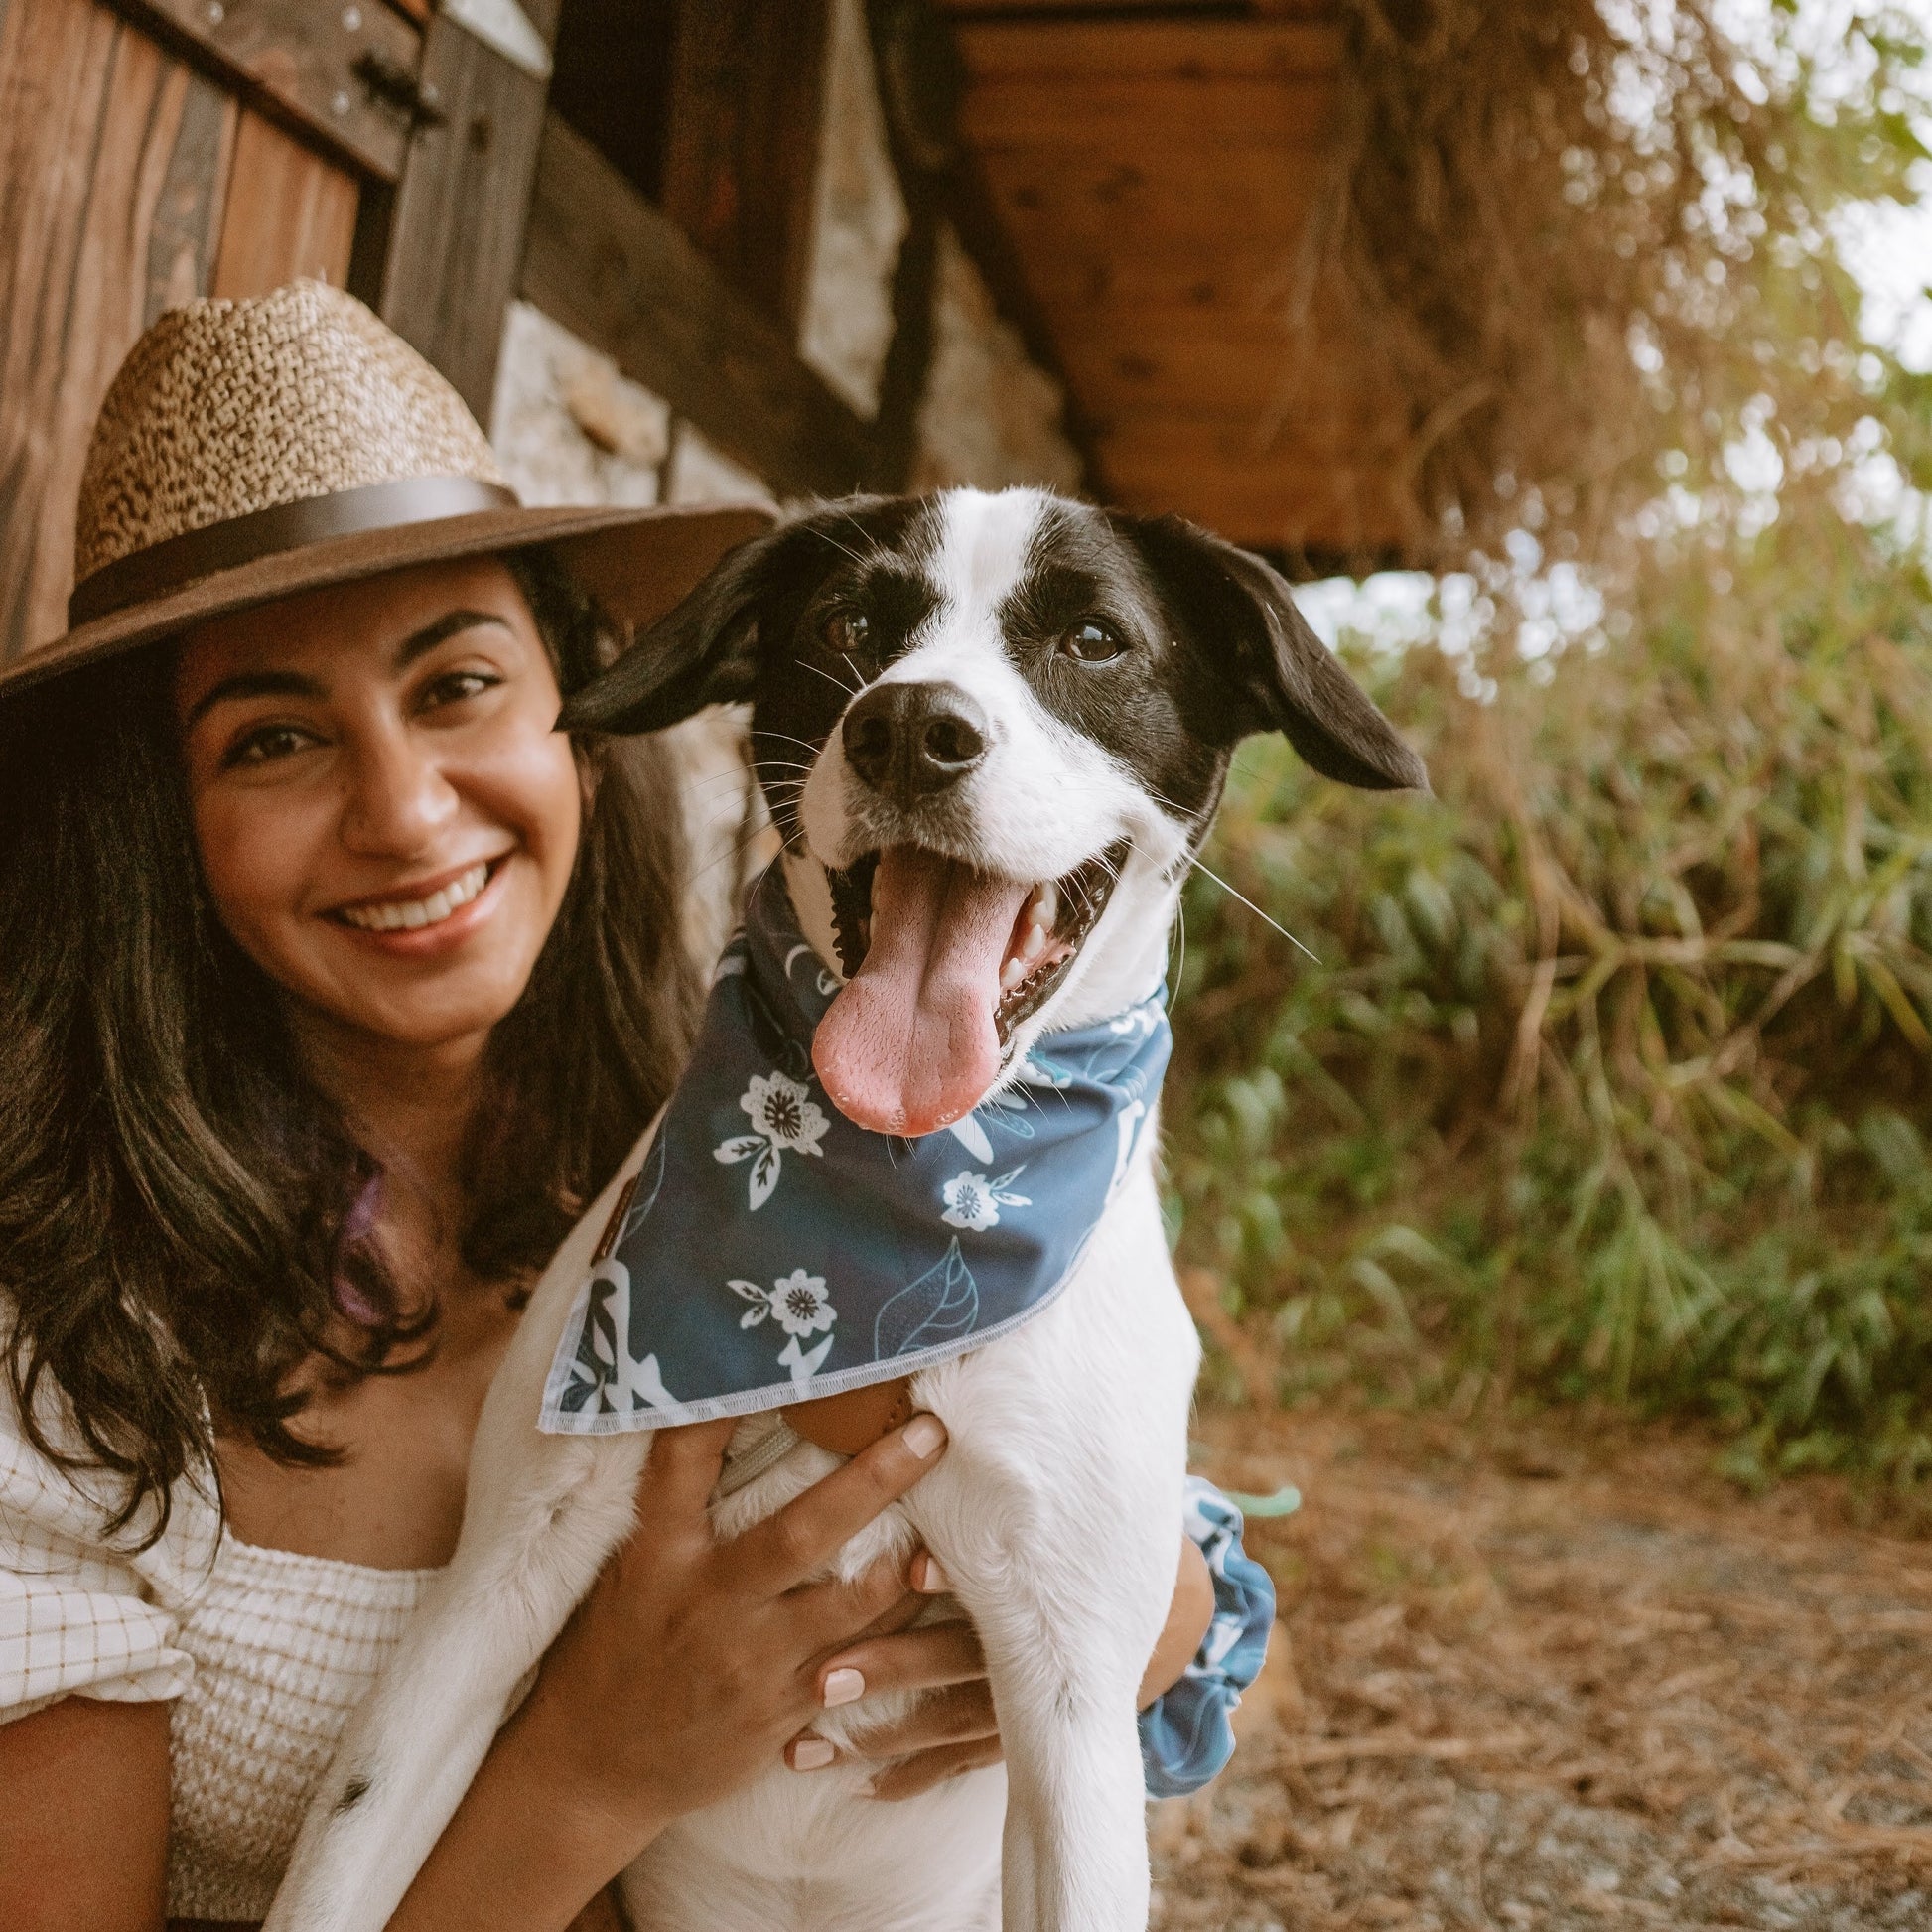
677,1680
954,1729
691,1662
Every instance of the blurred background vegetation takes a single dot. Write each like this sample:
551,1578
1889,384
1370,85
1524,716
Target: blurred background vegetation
1611,1084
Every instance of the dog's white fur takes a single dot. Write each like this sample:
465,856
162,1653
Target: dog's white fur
1055,1511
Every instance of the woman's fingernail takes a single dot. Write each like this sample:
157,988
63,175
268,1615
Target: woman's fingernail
843,1687
925,1434
931,1580
811,1755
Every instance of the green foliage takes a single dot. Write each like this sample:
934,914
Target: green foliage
1613,1079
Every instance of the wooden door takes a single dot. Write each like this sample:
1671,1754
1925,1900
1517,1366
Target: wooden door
131,179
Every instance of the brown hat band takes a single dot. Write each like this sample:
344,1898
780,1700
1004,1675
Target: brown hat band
143,575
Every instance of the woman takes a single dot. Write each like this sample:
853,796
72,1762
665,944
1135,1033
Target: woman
337,981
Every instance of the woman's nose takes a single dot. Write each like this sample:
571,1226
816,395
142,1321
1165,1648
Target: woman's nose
398,796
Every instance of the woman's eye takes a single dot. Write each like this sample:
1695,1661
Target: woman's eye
455,686
847,632
1092,643
266,746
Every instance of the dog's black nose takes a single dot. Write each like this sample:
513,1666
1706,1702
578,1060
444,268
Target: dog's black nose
909,741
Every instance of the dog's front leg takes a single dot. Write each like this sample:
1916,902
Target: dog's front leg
416,1741
1056,1513
541,1515
1067,1606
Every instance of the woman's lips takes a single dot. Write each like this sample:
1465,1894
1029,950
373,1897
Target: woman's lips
430,922
431,908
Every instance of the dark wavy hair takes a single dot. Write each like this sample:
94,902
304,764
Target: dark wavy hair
183,1211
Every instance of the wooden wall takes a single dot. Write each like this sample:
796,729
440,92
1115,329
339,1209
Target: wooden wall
130,179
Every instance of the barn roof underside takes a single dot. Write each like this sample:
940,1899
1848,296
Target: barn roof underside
1153,170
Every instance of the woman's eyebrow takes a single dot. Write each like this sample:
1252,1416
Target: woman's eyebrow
254,684
294,684
447,626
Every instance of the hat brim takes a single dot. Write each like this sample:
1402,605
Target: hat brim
638,563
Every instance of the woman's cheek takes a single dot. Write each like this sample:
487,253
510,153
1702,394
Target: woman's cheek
532,788
257,850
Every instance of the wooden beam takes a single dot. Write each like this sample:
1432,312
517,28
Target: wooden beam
455,238
740,158
905,54
601,261
310,64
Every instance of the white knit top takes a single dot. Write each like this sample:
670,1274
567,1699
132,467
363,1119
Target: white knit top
264,1653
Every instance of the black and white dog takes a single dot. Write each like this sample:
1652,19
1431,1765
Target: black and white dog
1017,714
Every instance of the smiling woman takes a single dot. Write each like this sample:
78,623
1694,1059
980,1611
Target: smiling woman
337,981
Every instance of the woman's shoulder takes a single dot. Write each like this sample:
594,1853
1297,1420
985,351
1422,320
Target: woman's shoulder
86,1609
60,1512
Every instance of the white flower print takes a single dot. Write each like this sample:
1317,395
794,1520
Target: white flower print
785,1119
799,1303
973,1202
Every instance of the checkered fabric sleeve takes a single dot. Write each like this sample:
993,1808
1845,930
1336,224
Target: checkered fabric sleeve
75,1614
1186,1734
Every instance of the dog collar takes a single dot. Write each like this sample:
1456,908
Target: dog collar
770,1253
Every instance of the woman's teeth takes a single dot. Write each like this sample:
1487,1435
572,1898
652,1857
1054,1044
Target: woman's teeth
407,914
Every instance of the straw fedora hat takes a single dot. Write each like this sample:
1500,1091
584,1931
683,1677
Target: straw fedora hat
250,450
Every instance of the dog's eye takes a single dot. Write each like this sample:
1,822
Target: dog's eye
847,632
1092,643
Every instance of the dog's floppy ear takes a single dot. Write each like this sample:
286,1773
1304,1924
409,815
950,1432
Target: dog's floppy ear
1283,677
706,650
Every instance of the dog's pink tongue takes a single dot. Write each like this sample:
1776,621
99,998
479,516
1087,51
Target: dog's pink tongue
909,1044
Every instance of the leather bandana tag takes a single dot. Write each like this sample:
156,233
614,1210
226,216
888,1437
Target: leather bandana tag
774,1253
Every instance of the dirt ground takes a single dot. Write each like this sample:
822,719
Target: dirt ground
1561,1678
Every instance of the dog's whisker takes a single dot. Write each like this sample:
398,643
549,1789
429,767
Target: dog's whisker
819,670
1263,917
804,744
845,550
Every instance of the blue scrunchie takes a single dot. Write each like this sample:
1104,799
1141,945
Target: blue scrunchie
1186,1735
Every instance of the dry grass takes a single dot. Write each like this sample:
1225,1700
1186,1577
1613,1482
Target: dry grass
1563,1680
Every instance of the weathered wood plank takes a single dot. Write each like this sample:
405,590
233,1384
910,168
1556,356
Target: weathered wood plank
1249,383
104,215
1302,491
291,211
1125,118
455,231
1230,197
305,60
1199,52
747,80
606,264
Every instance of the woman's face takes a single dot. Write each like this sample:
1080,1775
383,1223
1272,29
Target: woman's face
385,817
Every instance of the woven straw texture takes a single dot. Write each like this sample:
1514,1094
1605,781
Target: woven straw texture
225,408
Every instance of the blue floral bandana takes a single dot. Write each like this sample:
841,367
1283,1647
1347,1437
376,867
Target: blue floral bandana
772,1252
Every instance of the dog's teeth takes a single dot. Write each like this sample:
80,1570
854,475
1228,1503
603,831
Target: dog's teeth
1010,974
1046,905
1033,944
